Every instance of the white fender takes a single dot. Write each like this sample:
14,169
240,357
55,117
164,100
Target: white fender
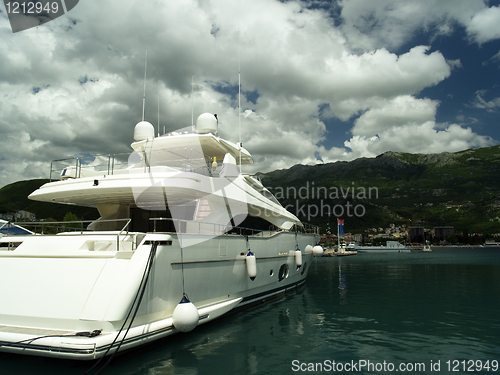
308,249
185,316
251,265
298,257
317,250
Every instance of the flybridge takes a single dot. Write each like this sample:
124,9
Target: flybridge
179,159
187,150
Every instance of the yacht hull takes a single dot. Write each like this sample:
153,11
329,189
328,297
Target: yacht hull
75,295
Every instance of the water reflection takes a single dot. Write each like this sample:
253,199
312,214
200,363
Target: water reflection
342,286
247,343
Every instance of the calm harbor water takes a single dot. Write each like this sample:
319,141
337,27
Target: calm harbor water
427,312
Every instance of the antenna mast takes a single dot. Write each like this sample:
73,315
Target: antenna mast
144,95
239,92
239,108
192,105
158,108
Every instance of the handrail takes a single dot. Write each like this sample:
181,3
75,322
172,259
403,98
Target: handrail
306,228
120,232
239,229
81,222
178,158
81,229
218,229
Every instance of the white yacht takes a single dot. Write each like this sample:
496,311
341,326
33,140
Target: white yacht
390,247
183,238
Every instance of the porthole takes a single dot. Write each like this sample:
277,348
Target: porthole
283,272
304,268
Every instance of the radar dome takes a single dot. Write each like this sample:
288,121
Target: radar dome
206,123
144,130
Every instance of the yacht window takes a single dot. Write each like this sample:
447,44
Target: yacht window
266,193
283,272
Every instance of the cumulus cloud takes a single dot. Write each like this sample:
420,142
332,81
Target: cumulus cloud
485,25
489,105
361,79
74,85
398,112
407,124
388,23
417,138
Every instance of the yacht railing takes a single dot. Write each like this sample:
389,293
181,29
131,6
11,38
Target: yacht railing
75,226
123,235
307,228
199,227
54,227
180,159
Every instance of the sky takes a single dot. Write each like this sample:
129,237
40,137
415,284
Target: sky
321,81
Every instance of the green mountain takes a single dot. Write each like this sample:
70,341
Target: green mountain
460,189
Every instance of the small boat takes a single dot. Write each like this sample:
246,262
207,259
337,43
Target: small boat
390,247
344,249
11,235
184,237
10,229
427,248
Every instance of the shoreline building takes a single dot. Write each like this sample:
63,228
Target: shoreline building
416,234
442,233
